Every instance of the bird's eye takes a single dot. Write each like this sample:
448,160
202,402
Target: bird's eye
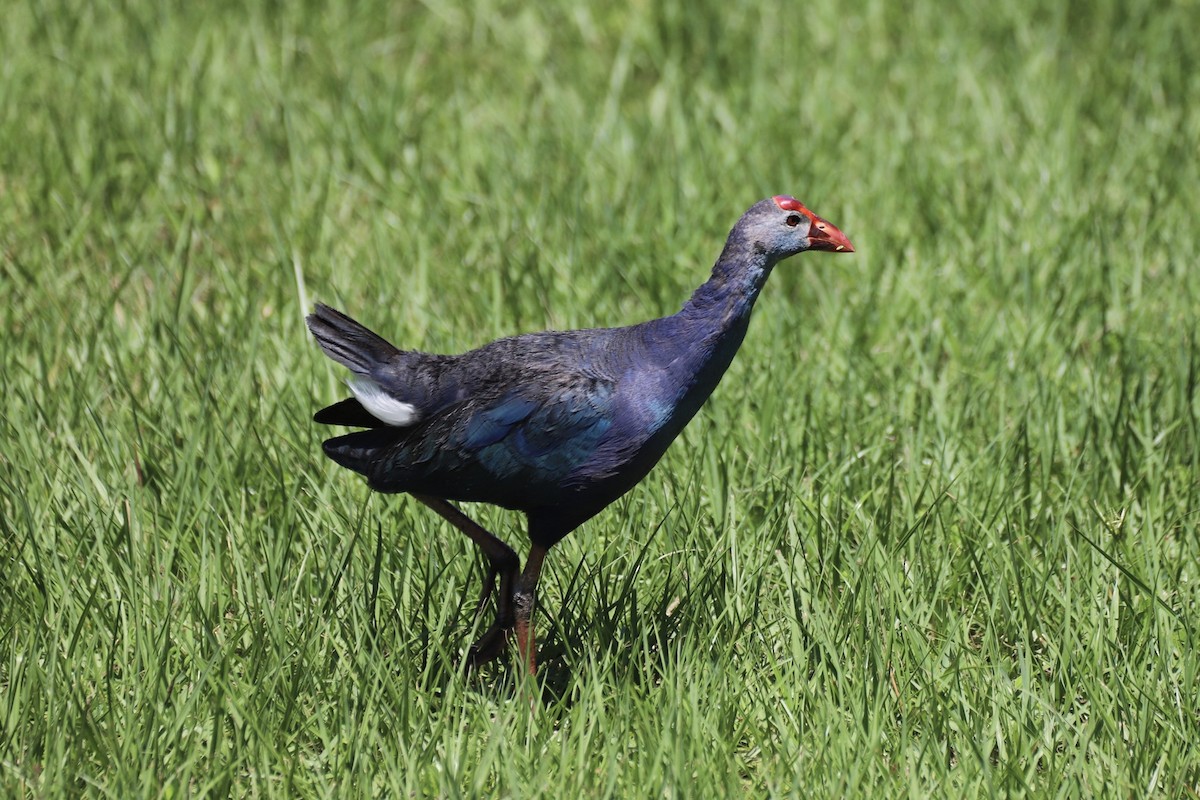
793,220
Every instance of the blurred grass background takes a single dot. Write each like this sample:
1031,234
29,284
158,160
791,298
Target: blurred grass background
935,534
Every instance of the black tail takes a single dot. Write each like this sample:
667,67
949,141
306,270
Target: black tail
361,450
348,342
348,412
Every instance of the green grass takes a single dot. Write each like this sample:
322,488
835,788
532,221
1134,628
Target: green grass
936,533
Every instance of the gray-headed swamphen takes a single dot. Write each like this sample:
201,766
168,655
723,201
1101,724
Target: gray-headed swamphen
556,424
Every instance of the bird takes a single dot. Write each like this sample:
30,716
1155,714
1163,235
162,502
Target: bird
554,424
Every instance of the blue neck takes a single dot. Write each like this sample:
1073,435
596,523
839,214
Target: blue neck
696,345
711,324
729,294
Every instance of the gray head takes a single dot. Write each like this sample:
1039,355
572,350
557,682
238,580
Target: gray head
781,226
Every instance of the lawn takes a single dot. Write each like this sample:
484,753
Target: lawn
936,533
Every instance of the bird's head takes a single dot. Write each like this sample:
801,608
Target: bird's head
782,227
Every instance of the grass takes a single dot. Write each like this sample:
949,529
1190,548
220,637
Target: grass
935,535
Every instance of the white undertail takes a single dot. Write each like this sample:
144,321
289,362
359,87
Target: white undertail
381,405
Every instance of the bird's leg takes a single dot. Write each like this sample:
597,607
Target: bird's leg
489,586
502,561
525,598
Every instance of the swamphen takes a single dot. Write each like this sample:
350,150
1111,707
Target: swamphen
556,424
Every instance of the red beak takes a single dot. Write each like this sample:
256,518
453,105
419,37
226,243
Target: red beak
824,235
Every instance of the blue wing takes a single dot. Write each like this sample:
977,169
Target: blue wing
537,439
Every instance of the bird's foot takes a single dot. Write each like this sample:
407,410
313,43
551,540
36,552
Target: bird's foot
487,646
